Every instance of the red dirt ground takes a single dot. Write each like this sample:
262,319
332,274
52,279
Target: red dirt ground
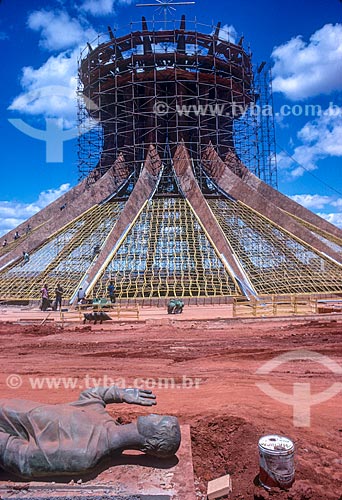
227,411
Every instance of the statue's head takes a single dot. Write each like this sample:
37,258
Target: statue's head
161,435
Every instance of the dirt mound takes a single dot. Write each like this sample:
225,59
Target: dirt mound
229,445
225,445
226,411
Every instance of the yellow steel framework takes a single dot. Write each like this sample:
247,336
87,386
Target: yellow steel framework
63,258
12,244
275,261
166,253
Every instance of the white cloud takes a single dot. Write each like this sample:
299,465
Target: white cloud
333,218
312,200
39,97
13,213
324,135
58,30
321,202
102,7
304,70
337,203
47,197
98,7
321,138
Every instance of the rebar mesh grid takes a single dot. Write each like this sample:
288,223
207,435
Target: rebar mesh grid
166,254
274,260
63,259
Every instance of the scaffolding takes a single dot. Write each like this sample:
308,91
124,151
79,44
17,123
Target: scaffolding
264,164
163,84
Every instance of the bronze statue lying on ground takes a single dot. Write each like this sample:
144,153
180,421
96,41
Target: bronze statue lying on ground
44,440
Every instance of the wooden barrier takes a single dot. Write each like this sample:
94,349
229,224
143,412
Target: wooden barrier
116,312
275,305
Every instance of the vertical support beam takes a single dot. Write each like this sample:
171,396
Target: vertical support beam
194,196
211,50
181,37
146,39
143,190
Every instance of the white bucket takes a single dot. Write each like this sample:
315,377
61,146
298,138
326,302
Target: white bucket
276,462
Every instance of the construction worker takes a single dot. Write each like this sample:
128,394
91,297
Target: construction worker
26,258
59,296
111,292
81,296
45,298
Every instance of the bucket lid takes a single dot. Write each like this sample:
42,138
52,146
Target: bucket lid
276,443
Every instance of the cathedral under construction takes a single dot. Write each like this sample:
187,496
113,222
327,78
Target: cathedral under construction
178,189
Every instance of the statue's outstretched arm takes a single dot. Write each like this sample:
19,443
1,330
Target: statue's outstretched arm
141,397
114,394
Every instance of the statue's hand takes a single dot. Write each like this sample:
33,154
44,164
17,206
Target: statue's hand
138,397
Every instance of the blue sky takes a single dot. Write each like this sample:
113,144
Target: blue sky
41,40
